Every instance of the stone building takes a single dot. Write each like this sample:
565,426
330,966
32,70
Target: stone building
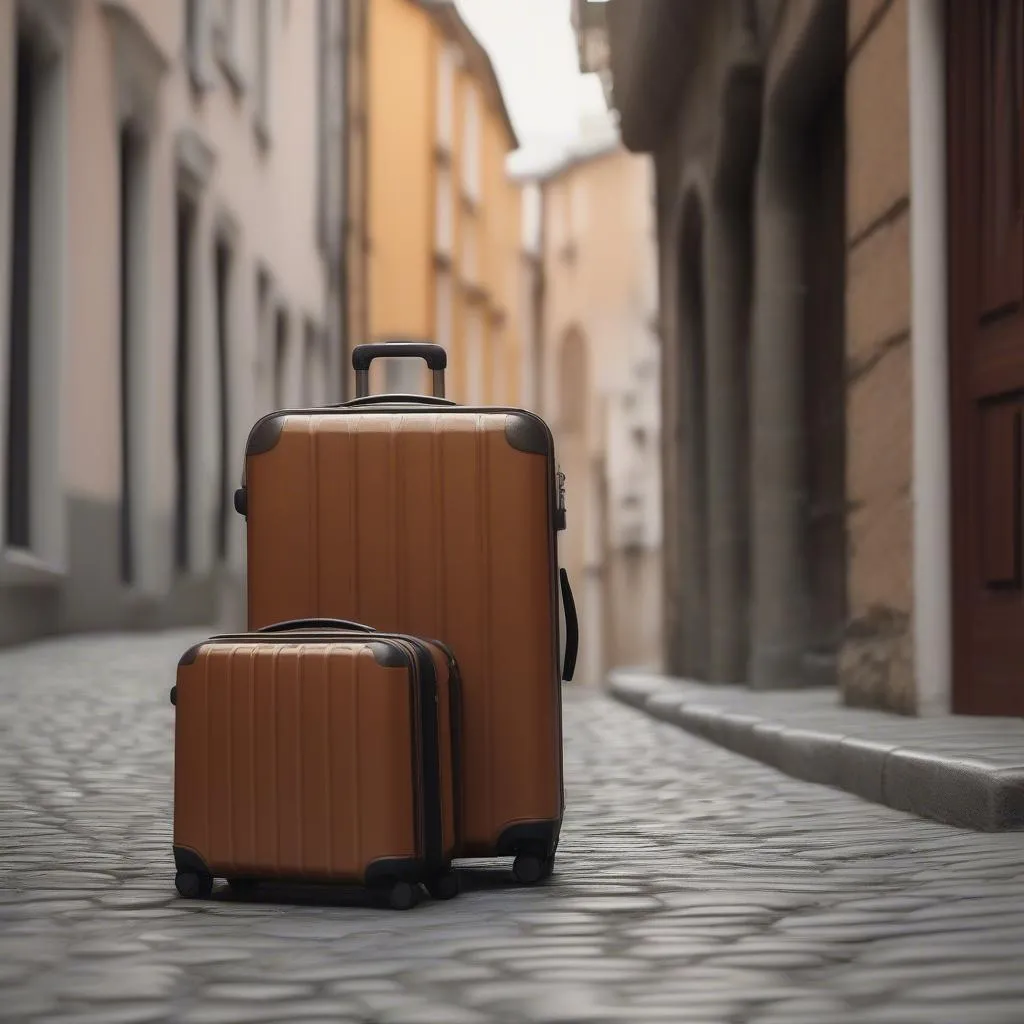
171,227
841,253
597,385
443,217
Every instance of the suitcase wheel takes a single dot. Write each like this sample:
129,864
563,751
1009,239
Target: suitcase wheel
444,887
530,869
403,896
193,886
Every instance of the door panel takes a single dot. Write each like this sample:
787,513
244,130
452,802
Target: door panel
999,464
986,206
1002,253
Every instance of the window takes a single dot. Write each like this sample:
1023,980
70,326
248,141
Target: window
443,310
186,233
471,144
314,366
577,208
222,264
228,35
446,68
18,483
262,116
199,29
132,260
264,340
498,357
468,262
572,383
474,356
33,324
554,221
281,354
445,212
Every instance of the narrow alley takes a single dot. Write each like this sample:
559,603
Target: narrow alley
692,885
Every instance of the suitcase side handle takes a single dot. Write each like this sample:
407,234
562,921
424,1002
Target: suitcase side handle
434,355
291,624
572,627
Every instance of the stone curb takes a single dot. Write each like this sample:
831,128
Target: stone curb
966,792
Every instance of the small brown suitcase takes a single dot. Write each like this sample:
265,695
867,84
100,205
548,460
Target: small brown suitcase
421,516
317,751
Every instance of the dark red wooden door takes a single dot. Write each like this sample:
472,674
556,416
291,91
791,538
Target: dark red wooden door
986,193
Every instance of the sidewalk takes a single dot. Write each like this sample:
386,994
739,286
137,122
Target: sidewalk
960,770
693,886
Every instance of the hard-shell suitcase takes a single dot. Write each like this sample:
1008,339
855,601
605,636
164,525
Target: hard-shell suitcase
317,751
422,516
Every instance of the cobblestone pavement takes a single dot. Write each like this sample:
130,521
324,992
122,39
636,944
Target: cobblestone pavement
692,885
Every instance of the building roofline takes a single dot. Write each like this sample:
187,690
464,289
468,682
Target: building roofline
571,160
446,14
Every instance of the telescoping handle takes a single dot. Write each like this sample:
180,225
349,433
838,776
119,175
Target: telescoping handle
434,356
294,624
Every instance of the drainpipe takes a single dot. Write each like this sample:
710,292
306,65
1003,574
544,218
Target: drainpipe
344,341
929,350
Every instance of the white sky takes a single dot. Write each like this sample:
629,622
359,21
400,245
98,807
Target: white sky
533,49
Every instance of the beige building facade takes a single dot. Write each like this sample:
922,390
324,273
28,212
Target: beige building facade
839,210
170,210
596,369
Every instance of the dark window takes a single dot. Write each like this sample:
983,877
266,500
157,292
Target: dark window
311,367
280,357
222,264
19,403
182,410
129,146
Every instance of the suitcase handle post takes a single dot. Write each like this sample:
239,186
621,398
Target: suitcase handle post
292,624
434,355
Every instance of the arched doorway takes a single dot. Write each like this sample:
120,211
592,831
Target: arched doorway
729,256
798,381
688,650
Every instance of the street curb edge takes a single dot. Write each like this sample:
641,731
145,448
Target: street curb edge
967,793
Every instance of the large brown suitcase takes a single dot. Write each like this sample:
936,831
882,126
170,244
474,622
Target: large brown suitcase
421,516
317,751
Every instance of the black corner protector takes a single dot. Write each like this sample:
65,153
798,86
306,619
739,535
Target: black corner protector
190,655
388,655
535,837
186,859
265,435
394,869
527,433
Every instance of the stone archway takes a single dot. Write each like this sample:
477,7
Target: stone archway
798,362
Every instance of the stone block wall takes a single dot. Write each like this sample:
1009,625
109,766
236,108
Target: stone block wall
876,665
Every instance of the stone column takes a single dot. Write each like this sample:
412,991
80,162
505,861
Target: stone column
777,443
726,287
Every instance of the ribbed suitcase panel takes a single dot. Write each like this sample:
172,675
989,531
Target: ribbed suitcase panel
274,774
431,524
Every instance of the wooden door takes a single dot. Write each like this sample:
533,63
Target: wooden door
986,205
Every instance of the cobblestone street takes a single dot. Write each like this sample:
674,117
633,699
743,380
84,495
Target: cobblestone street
692,885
